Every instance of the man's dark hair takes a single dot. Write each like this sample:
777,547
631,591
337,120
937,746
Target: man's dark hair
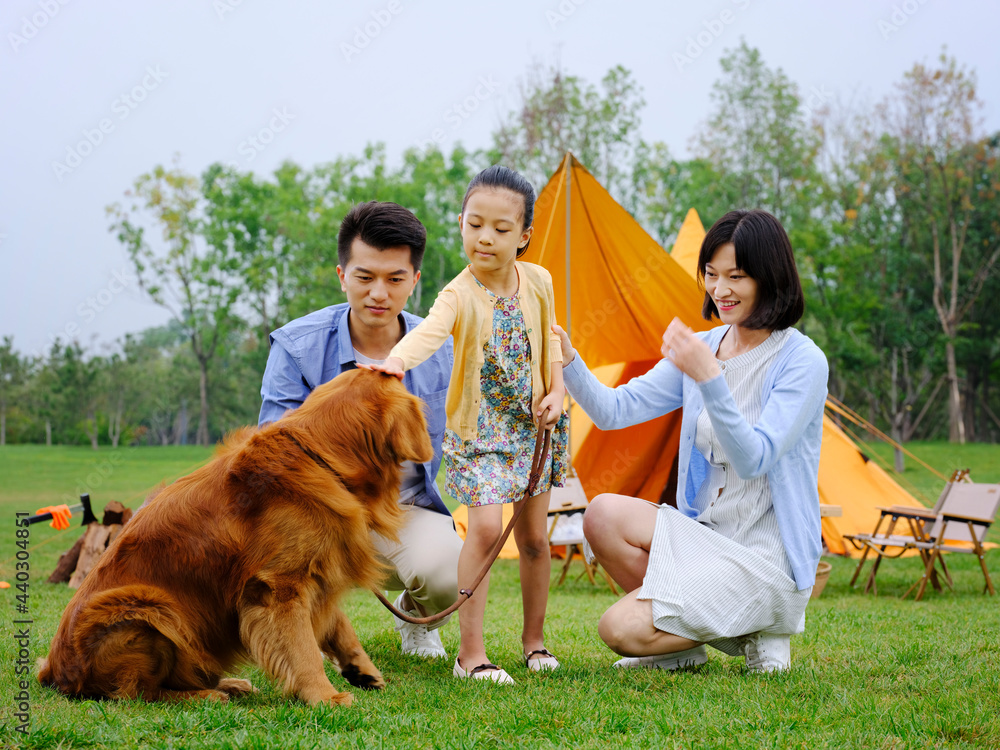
764,253
381,225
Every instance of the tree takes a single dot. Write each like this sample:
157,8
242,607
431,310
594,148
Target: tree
559,113
161,372
757,138
671,187
944,169
192,278
14,372
427,183
262,224
64,394
980,348
862,282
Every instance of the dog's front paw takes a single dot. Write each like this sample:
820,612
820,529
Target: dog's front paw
367,680
329,698
342,699
235,687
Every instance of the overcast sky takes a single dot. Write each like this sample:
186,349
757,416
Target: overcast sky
144,81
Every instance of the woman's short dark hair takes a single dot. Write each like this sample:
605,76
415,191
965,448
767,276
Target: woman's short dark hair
764,253
500,177
381,225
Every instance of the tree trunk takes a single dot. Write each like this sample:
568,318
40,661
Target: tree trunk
181,424
48,433
897,413
956,423
202,437
969,400
115,423
3,424
91,429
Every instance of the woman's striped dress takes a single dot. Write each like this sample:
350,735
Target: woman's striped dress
725,574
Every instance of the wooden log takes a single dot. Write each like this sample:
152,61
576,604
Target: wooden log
94,543
115,530
114,512
67,563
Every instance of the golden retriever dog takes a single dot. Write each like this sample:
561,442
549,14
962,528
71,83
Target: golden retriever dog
247,557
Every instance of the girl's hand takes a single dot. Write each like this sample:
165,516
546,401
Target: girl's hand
550,408
568,352
690,354
392,366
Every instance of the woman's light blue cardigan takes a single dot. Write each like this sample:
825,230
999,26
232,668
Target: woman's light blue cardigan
784,444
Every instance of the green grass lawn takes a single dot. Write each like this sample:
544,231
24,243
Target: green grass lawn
869,671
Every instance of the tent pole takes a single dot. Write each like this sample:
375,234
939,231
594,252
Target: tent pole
569,309
569,170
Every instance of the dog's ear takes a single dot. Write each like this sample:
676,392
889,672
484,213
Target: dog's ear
406,431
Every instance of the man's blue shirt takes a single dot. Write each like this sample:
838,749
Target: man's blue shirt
313,349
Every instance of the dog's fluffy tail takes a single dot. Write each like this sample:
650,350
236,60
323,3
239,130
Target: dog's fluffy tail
127,643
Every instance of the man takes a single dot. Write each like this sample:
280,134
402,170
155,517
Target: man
379,250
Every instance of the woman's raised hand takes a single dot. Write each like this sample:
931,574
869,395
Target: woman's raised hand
690,354
568,352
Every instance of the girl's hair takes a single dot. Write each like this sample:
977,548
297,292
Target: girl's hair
764,253
499,177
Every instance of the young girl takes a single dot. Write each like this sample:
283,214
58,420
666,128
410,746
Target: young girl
507,375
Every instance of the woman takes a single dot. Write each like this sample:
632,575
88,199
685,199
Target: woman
733,565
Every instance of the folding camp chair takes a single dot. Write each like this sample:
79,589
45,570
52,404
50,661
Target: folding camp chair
571,500
961,526
957,524
881,542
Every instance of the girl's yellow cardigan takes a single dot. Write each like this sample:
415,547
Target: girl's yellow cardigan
464,309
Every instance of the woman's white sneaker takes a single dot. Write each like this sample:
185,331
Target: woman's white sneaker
768,653
692,657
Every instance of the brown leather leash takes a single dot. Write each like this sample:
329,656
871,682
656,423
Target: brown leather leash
537,465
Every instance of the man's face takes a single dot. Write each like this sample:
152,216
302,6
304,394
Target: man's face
378,283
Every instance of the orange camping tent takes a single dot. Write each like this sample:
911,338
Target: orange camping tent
616,291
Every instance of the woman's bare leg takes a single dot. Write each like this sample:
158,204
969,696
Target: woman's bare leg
619,530
627,628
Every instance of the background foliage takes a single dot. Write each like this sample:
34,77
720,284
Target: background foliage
893,212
